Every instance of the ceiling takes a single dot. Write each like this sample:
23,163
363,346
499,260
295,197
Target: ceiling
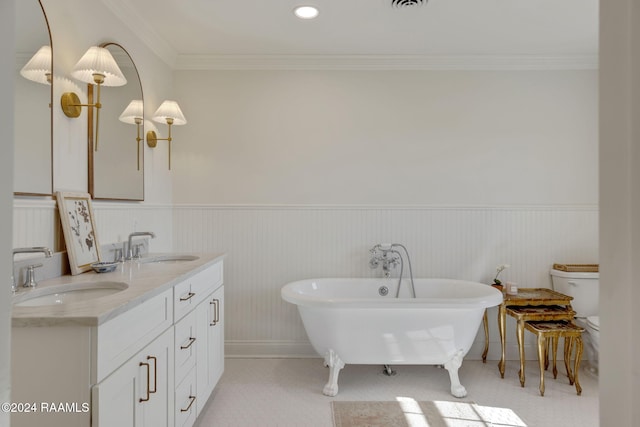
204,31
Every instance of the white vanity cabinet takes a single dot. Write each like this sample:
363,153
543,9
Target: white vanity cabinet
199,342
155,363
83,366
210,352
140,392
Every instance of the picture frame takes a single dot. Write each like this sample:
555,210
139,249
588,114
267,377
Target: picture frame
79,229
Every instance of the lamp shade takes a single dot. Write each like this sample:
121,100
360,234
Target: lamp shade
169,110
134,110
98,60
38,69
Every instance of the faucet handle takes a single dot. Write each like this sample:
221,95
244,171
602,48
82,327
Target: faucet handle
30,278
136,251
118,255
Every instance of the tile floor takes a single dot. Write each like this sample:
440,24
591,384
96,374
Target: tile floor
288,392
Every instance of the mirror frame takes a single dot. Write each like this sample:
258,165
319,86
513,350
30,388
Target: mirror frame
51,153
90,135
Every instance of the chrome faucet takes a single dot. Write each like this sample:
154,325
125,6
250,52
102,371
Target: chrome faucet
137,234
387,254
389,258
30,282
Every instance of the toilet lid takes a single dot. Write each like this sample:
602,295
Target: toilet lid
594,322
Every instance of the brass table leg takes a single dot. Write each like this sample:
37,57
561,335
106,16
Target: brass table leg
502,314
568,349
486,337
542,345
546,354
554,344
521,350
578,341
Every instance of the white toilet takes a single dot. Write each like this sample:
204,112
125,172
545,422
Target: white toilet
584,288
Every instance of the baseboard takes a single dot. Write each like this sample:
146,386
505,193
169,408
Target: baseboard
302,349
269,349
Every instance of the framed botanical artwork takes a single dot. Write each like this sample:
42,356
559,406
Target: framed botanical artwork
79,229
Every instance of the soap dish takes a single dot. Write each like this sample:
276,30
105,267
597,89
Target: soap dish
104,267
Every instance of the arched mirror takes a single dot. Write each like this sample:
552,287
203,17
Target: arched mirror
116,168
33,127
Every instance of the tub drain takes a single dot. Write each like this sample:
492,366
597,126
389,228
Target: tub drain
383,291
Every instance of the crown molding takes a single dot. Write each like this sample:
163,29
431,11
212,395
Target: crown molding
158,44
384,62
139,26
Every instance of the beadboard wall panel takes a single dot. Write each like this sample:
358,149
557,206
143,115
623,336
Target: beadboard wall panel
37,223
269,246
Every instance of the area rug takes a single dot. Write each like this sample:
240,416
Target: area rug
406,412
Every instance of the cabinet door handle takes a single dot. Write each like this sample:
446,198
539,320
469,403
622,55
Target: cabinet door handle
146,399
188,297
193,399
216,311
191,341
155,373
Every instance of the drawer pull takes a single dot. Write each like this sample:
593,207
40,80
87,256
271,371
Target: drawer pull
193,399
146,399
216,311
155,373
191,341
188,297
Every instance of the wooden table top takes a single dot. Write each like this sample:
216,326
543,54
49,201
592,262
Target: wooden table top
536,296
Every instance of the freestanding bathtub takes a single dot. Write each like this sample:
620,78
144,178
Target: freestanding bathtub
360,321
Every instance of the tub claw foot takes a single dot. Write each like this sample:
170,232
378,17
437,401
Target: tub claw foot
334,363
457,389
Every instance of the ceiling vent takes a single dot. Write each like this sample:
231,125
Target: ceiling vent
407,3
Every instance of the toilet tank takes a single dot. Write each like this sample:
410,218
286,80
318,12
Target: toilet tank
583,287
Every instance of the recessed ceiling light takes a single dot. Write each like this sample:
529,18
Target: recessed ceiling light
306,12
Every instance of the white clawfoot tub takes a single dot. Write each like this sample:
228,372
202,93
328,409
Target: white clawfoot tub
351,321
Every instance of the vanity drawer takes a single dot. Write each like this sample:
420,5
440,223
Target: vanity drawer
123,336
192,291
185,345
185,400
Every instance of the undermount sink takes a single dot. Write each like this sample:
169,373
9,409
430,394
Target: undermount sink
168,259
67,293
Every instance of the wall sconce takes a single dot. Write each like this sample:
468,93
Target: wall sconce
38,69
98,67
133,115
169,112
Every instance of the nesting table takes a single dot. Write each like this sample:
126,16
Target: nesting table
530,304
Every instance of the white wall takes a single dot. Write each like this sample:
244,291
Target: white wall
296,174
387,137
6,190
619,207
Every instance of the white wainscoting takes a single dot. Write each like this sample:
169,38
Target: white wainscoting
36,223
269,246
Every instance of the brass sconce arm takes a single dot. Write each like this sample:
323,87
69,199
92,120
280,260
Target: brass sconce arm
133,115
97,66
168,112
152,139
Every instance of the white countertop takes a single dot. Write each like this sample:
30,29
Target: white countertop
145,281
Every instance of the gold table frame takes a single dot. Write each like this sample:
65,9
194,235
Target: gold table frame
528,297
554,330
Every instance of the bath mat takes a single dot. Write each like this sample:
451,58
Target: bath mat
406,412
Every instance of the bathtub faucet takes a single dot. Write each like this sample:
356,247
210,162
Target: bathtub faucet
386,254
